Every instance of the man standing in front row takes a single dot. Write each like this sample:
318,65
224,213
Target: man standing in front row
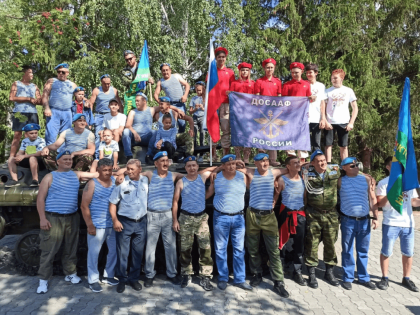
59,220
130,223
95,210
321,216
193,221
395,226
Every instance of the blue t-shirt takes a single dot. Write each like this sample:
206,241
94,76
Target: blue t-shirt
167,136
197,100
31,147
23,90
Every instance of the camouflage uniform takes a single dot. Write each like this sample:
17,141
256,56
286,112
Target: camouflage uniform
80,162
190,226
184,139
322,219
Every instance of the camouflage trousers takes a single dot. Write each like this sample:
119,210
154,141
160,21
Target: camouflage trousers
190,226
321,227
185,139
80,162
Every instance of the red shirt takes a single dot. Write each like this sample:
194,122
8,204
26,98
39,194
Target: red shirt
266,87
296,88
79,107
226,77
243,86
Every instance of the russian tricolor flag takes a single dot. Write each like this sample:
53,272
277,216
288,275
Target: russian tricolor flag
213,100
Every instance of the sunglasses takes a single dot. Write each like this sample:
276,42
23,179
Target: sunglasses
61,72
354,166
128,59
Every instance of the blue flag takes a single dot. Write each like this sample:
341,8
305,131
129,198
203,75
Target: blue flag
143,71
403,175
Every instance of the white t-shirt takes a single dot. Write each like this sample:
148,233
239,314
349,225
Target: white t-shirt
393,217
338,103
114,122
317,89
109,149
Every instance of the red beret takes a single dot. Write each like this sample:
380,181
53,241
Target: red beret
221,49
244,65
297,65
269,60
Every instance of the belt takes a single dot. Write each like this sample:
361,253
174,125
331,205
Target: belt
356,218
160,211
193,214
55,214
174,102
130,219
229,214
103,113
261,212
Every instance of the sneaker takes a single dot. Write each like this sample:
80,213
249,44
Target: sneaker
74,279
148,282
42,287
222,285
383,284
175,280
346,285
280,289
95,287
205,283
256,280
110,281
368,285
409,285
186,280
34,183
11,183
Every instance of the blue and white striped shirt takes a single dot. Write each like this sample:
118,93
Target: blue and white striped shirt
167,136
99,206
354,200
61,96
161,192
292,194
172,87
63,193
77,141
102,100
193,195
25,90
262,191
229,194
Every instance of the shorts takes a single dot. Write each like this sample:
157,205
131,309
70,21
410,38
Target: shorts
25,163
343,135
390,235
18,124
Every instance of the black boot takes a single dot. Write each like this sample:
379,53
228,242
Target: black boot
329,276
256,280
312,282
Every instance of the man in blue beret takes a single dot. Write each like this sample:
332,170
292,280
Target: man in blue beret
229,188
78,140
57,99
176,88
357,198
28,156
57,205
193,220
80,106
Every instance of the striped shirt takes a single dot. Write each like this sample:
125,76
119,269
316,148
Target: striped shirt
229,194
99,206
61,96
172,87
75,142
193,195
142,121
161,192
262,191
63,193
354,198
25,90
292,194
102,100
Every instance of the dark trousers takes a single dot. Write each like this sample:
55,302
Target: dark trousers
315,136
199,130
292,252
134,233
168,147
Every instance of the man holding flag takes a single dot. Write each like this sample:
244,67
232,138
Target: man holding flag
397,196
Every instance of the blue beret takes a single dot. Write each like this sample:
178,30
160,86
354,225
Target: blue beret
190,158
142,94
159,155
164,64
348,160
201,83
30,127
261,156
227,158
62,65
128,52
104,76
317,152
65,152
164,99
78,89
78,116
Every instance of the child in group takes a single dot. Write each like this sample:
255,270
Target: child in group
114,121
108,149
28,156
166,137
197,110
79,107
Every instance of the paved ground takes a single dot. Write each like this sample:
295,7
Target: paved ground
17,294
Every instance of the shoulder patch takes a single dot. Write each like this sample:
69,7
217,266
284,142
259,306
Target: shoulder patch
333,172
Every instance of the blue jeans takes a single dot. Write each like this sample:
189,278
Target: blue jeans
99,119
134,233
59,121
147,139
94,247
181,122
390,235
225,226
352,229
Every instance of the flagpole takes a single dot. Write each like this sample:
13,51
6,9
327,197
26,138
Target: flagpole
206,106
